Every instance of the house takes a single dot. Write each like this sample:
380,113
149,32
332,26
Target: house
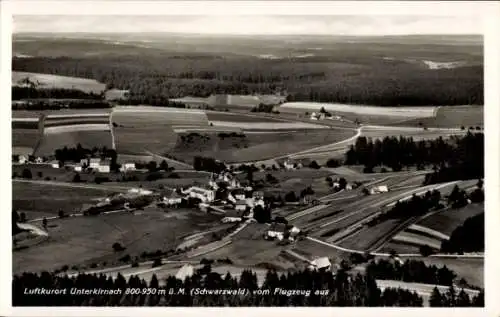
186,271
23,159
104,166
94,162
127,167
314,116
239,194
204,194
38,160
78,167
276,231
322,263
172,199
294,231
54,164
241,205
379,189
288,165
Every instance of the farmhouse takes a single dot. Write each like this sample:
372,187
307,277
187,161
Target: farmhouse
204,194
379,189
172,199
78,167
54,164
186,271
104,166
276,231
94,162
241,205
22,159
322,263
127,167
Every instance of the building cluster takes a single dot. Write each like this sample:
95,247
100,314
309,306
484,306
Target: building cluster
232,196
281,231
323,116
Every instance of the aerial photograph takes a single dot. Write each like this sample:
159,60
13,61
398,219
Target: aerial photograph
250,161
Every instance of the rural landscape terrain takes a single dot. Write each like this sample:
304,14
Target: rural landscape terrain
287,171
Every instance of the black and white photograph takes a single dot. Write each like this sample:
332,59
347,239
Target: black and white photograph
247,160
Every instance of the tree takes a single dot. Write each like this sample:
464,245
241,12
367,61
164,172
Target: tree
152,166
27,174
61,213
332,163
436,299
463,299
117,247
77,178
291,197
22,217
164,166
39,174
157,262
44,223
314,165
342,183
426,250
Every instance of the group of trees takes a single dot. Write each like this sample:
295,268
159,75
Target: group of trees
153,78
208,164
452,299
413,207
410,271
340,290
460,157
468,237
19,93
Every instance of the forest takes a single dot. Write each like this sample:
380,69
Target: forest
342,289
459,158
460,239
153,79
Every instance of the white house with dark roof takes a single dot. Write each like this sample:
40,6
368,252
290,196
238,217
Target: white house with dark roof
322,263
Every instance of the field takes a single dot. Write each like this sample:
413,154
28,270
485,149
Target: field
255,146
50,199
452,117
89,239
88,139
139,131
233,117
62,82
447,221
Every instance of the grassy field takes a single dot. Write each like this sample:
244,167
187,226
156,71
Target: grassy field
234,117
34,198
255,146
138,133
449,220
88,139
89,239
452,117
24,141
62,82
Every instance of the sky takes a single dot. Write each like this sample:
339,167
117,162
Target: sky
250,25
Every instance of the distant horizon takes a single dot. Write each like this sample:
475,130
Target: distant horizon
245,25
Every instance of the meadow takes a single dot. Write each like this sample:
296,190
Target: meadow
54,81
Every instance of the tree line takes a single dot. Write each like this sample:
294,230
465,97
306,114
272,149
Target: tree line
468,237
460,157
338,290
410,271
155,79
21,93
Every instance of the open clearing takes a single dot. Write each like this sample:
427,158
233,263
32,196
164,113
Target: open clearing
255,146
234,117
89,239
452,117
139,130
62,82
88,139
447,221
49,199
